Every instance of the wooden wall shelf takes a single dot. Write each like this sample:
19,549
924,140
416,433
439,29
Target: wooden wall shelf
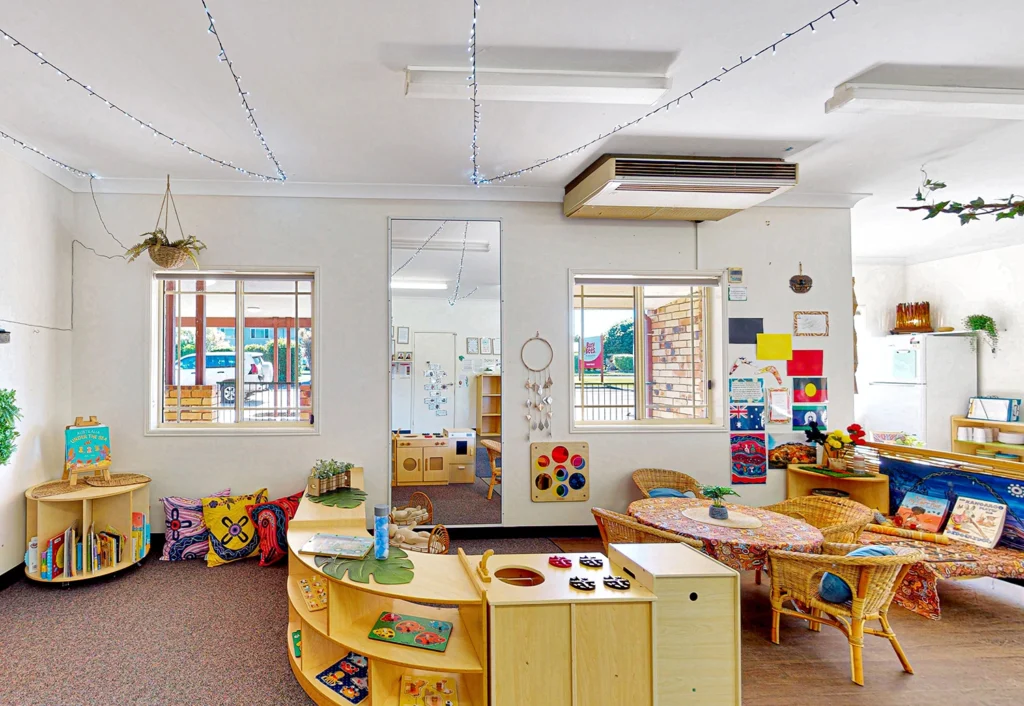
488,405
971,447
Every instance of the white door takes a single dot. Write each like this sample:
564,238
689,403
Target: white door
434,382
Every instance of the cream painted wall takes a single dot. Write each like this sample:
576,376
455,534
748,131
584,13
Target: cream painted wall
980,283
880,287
475,318
348,240
36,219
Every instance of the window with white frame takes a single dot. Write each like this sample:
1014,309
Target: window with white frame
643,350
233,350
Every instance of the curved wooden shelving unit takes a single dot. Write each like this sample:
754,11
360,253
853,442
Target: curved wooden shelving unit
45,518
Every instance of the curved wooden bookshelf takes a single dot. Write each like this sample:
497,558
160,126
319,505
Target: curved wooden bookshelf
45,518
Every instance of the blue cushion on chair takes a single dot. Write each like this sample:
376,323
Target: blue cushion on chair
670,493
833,589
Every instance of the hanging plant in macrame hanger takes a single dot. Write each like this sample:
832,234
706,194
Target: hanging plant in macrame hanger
166,253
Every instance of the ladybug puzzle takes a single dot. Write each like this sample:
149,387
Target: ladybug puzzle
412,631
560,471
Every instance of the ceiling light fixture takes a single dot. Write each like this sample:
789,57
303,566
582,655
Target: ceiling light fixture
607,88
943,101
413,284
443,245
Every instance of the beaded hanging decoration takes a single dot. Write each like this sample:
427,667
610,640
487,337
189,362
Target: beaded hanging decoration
537,355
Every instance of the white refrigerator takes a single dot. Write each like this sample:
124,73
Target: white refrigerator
917,382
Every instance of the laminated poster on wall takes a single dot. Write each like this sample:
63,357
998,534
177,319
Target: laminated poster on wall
749,457
803,415
746,417
784,449
746,391
810,390
780,410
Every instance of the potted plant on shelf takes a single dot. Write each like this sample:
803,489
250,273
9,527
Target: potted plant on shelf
329,475
715,493
985,325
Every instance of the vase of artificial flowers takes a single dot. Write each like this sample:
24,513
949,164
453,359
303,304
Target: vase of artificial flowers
716,493
834,444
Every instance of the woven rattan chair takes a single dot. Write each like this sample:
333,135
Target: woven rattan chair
840,520
648,478
617,528
872,579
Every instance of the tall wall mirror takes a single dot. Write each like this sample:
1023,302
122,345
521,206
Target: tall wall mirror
446,353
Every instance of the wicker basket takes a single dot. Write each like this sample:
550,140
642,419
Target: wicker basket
167,257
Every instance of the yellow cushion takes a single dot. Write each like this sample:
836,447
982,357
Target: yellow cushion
233,533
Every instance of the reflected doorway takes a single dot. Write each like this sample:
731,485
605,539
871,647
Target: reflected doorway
446,354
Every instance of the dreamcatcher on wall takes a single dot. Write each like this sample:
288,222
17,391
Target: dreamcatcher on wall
537,355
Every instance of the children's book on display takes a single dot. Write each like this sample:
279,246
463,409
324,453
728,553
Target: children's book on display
977,522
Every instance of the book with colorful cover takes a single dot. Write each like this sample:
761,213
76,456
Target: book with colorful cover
977,522
297,643
340,545
428,689
348,677
86,446
921,512
56,556
138,528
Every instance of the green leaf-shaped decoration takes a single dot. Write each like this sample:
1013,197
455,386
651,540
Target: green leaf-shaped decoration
396,569
346,498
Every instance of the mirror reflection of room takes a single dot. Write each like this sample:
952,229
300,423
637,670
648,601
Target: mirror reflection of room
446,370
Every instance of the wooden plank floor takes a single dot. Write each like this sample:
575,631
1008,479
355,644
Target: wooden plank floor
973,656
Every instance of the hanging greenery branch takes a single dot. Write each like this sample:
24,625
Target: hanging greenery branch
10,413
1010,207
984,325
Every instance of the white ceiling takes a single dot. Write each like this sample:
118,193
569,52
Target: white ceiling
480,270
326,79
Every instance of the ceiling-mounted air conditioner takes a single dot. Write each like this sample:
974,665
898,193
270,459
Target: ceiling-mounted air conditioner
675,188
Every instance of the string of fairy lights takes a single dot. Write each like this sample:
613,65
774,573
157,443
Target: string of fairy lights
157,133
479,180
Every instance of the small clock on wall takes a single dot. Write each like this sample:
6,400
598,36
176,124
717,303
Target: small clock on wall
801,283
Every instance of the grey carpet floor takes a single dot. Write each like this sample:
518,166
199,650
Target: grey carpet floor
456,504
179,633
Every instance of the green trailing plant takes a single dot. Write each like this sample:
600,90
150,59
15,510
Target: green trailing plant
717,492
10,413
190,245
329,468
1009,207
985,325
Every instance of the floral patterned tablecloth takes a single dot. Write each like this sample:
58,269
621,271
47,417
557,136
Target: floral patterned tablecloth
743,549
919,591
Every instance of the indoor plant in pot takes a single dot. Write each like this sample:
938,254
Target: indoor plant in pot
166,253
328,475
715,493
984,325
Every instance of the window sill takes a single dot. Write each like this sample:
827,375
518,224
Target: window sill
597,427
241,431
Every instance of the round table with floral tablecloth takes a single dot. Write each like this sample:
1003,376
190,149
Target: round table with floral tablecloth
743,549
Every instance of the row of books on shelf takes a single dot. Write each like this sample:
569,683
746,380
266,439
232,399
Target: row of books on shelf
75,553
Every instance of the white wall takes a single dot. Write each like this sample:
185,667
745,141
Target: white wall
880,287
36,218
989,283
477,318
348,240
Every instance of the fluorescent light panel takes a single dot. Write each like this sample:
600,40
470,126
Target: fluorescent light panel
412,284
944,101
537,86
445,245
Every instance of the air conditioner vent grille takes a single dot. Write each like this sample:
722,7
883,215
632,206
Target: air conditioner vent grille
695,189
676,168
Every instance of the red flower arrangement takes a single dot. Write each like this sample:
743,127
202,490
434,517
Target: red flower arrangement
857,434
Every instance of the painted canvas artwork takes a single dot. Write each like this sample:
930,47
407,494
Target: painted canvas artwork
746,417
803,415
950,484
749,459
784,449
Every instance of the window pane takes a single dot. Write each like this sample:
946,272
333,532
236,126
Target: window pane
676,387
605,378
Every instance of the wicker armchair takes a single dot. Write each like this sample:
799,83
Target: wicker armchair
872,579
623,529
647,478
840,520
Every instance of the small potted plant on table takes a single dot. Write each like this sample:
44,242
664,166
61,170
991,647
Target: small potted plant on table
718,510
328,475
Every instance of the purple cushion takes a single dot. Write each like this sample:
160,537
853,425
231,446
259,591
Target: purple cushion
186,535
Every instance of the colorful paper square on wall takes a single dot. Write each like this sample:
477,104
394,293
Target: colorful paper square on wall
806,362
810,390
748,454
803,415
746,417
744,330
774,346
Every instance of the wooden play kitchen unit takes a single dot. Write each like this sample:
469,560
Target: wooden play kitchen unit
420,459
520,634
